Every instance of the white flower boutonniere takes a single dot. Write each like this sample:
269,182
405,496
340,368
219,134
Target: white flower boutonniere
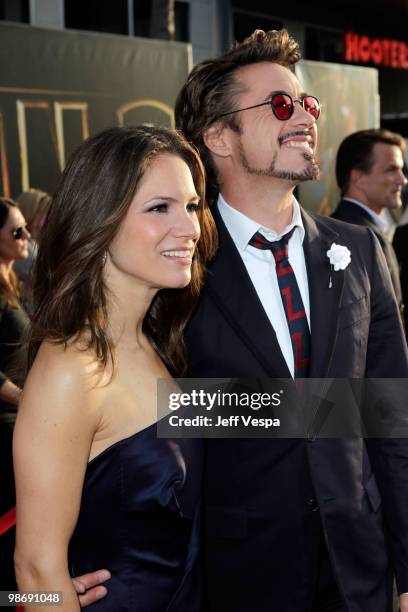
339,257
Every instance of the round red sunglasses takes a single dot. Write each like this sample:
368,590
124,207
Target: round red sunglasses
283,106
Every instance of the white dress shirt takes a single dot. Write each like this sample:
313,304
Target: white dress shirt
261,267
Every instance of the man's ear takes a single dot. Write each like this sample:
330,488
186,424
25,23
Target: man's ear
216,140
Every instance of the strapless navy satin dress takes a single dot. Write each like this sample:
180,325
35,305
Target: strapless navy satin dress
140,518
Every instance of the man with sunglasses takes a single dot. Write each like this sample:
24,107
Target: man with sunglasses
290,525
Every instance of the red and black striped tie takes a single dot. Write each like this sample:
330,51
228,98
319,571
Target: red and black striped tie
291,299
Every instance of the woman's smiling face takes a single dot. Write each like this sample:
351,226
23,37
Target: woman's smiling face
156,241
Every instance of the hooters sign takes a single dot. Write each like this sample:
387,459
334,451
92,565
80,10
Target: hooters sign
378,51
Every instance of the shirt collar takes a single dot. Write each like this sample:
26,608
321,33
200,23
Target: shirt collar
242,228
376,218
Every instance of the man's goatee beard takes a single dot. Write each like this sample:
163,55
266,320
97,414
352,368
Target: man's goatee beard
311,173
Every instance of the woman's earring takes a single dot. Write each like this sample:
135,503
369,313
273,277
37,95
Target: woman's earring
104,258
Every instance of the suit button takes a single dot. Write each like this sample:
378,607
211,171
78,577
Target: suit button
312,503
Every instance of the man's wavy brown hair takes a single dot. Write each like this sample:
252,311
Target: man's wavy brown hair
92,200
211,88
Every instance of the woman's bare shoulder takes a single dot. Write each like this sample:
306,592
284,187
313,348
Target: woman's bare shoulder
64,378
69,364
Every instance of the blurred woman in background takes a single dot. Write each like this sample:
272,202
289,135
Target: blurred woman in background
34,205
14,238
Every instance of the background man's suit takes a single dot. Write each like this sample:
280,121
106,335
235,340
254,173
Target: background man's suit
264,498
351,213
400,244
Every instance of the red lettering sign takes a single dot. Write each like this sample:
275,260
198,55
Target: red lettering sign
381,52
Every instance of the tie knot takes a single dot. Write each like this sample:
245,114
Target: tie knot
279,248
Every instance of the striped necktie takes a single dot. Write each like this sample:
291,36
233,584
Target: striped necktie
291,299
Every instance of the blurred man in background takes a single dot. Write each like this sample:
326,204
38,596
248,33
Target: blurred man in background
369,174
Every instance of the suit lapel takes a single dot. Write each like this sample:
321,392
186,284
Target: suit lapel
324,300
352,213
232,290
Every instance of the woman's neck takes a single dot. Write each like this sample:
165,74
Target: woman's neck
128,303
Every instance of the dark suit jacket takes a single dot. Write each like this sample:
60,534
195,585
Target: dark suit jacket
400,244
351,213
262,496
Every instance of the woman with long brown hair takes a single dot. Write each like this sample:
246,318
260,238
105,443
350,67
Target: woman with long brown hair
13,320
34,205
118,273
13,246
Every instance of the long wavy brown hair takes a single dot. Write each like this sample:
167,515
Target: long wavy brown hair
93,197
